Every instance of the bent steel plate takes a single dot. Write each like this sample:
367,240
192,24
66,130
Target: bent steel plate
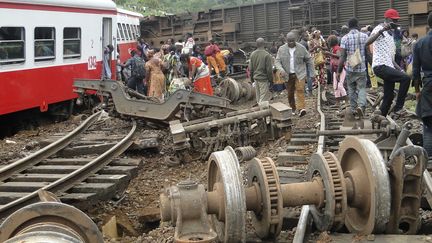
268,222
363,155
224,168
331,216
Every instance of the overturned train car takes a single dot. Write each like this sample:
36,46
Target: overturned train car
239,27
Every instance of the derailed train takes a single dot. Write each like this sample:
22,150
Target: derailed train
240,26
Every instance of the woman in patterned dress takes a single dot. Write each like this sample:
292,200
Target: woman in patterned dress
317,45
155,78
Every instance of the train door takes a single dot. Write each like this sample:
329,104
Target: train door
106,40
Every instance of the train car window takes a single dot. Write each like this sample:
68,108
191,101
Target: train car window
12,45
125,32
71,43
120,29
129,32
133,32
44,43
138,30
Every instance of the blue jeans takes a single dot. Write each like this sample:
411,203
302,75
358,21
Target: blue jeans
356,82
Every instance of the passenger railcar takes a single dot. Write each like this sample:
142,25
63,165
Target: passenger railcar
46,44
128,32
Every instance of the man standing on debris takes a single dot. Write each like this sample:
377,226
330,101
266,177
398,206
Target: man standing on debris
384,65
423,62
353,60
261,71
292,60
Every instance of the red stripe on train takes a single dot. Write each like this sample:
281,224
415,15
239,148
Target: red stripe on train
33,88
26,6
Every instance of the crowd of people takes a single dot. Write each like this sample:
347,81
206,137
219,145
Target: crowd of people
153,71
352,60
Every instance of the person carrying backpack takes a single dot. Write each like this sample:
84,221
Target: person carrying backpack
136,64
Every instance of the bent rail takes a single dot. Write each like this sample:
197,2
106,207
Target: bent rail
67,182
20,165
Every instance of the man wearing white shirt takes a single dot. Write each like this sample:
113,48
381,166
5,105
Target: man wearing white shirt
384,65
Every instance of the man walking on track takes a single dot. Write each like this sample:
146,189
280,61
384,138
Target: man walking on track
292,60
261,71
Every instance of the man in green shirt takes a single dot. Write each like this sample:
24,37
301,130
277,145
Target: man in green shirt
261,71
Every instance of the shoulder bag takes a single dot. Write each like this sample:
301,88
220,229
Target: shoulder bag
355,59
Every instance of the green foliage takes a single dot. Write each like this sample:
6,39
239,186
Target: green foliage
156,7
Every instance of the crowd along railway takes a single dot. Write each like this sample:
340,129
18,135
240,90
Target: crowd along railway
364,177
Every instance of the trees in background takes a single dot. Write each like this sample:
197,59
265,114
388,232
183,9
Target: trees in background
178,6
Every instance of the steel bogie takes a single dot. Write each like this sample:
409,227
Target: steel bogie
149,109
368,186
352,190
240,128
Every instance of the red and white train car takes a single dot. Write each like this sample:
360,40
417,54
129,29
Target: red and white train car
46,44
128,32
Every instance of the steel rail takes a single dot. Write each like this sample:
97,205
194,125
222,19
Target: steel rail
79,175
22,164
305,216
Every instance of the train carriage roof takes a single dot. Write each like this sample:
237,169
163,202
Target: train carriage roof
127,12
84,4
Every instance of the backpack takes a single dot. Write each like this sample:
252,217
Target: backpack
138,69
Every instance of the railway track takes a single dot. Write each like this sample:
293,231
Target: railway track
64,169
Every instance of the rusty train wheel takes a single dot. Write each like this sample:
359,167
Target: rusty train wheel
224,175
369,203
48,221
268,222
326,168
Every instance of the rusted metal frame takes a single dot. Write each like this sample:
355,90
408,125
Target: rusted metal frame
77,176
145,108
305,217
22,164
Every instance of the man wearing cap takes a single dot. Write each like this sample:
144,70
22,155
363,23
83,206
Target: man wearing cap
384,65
